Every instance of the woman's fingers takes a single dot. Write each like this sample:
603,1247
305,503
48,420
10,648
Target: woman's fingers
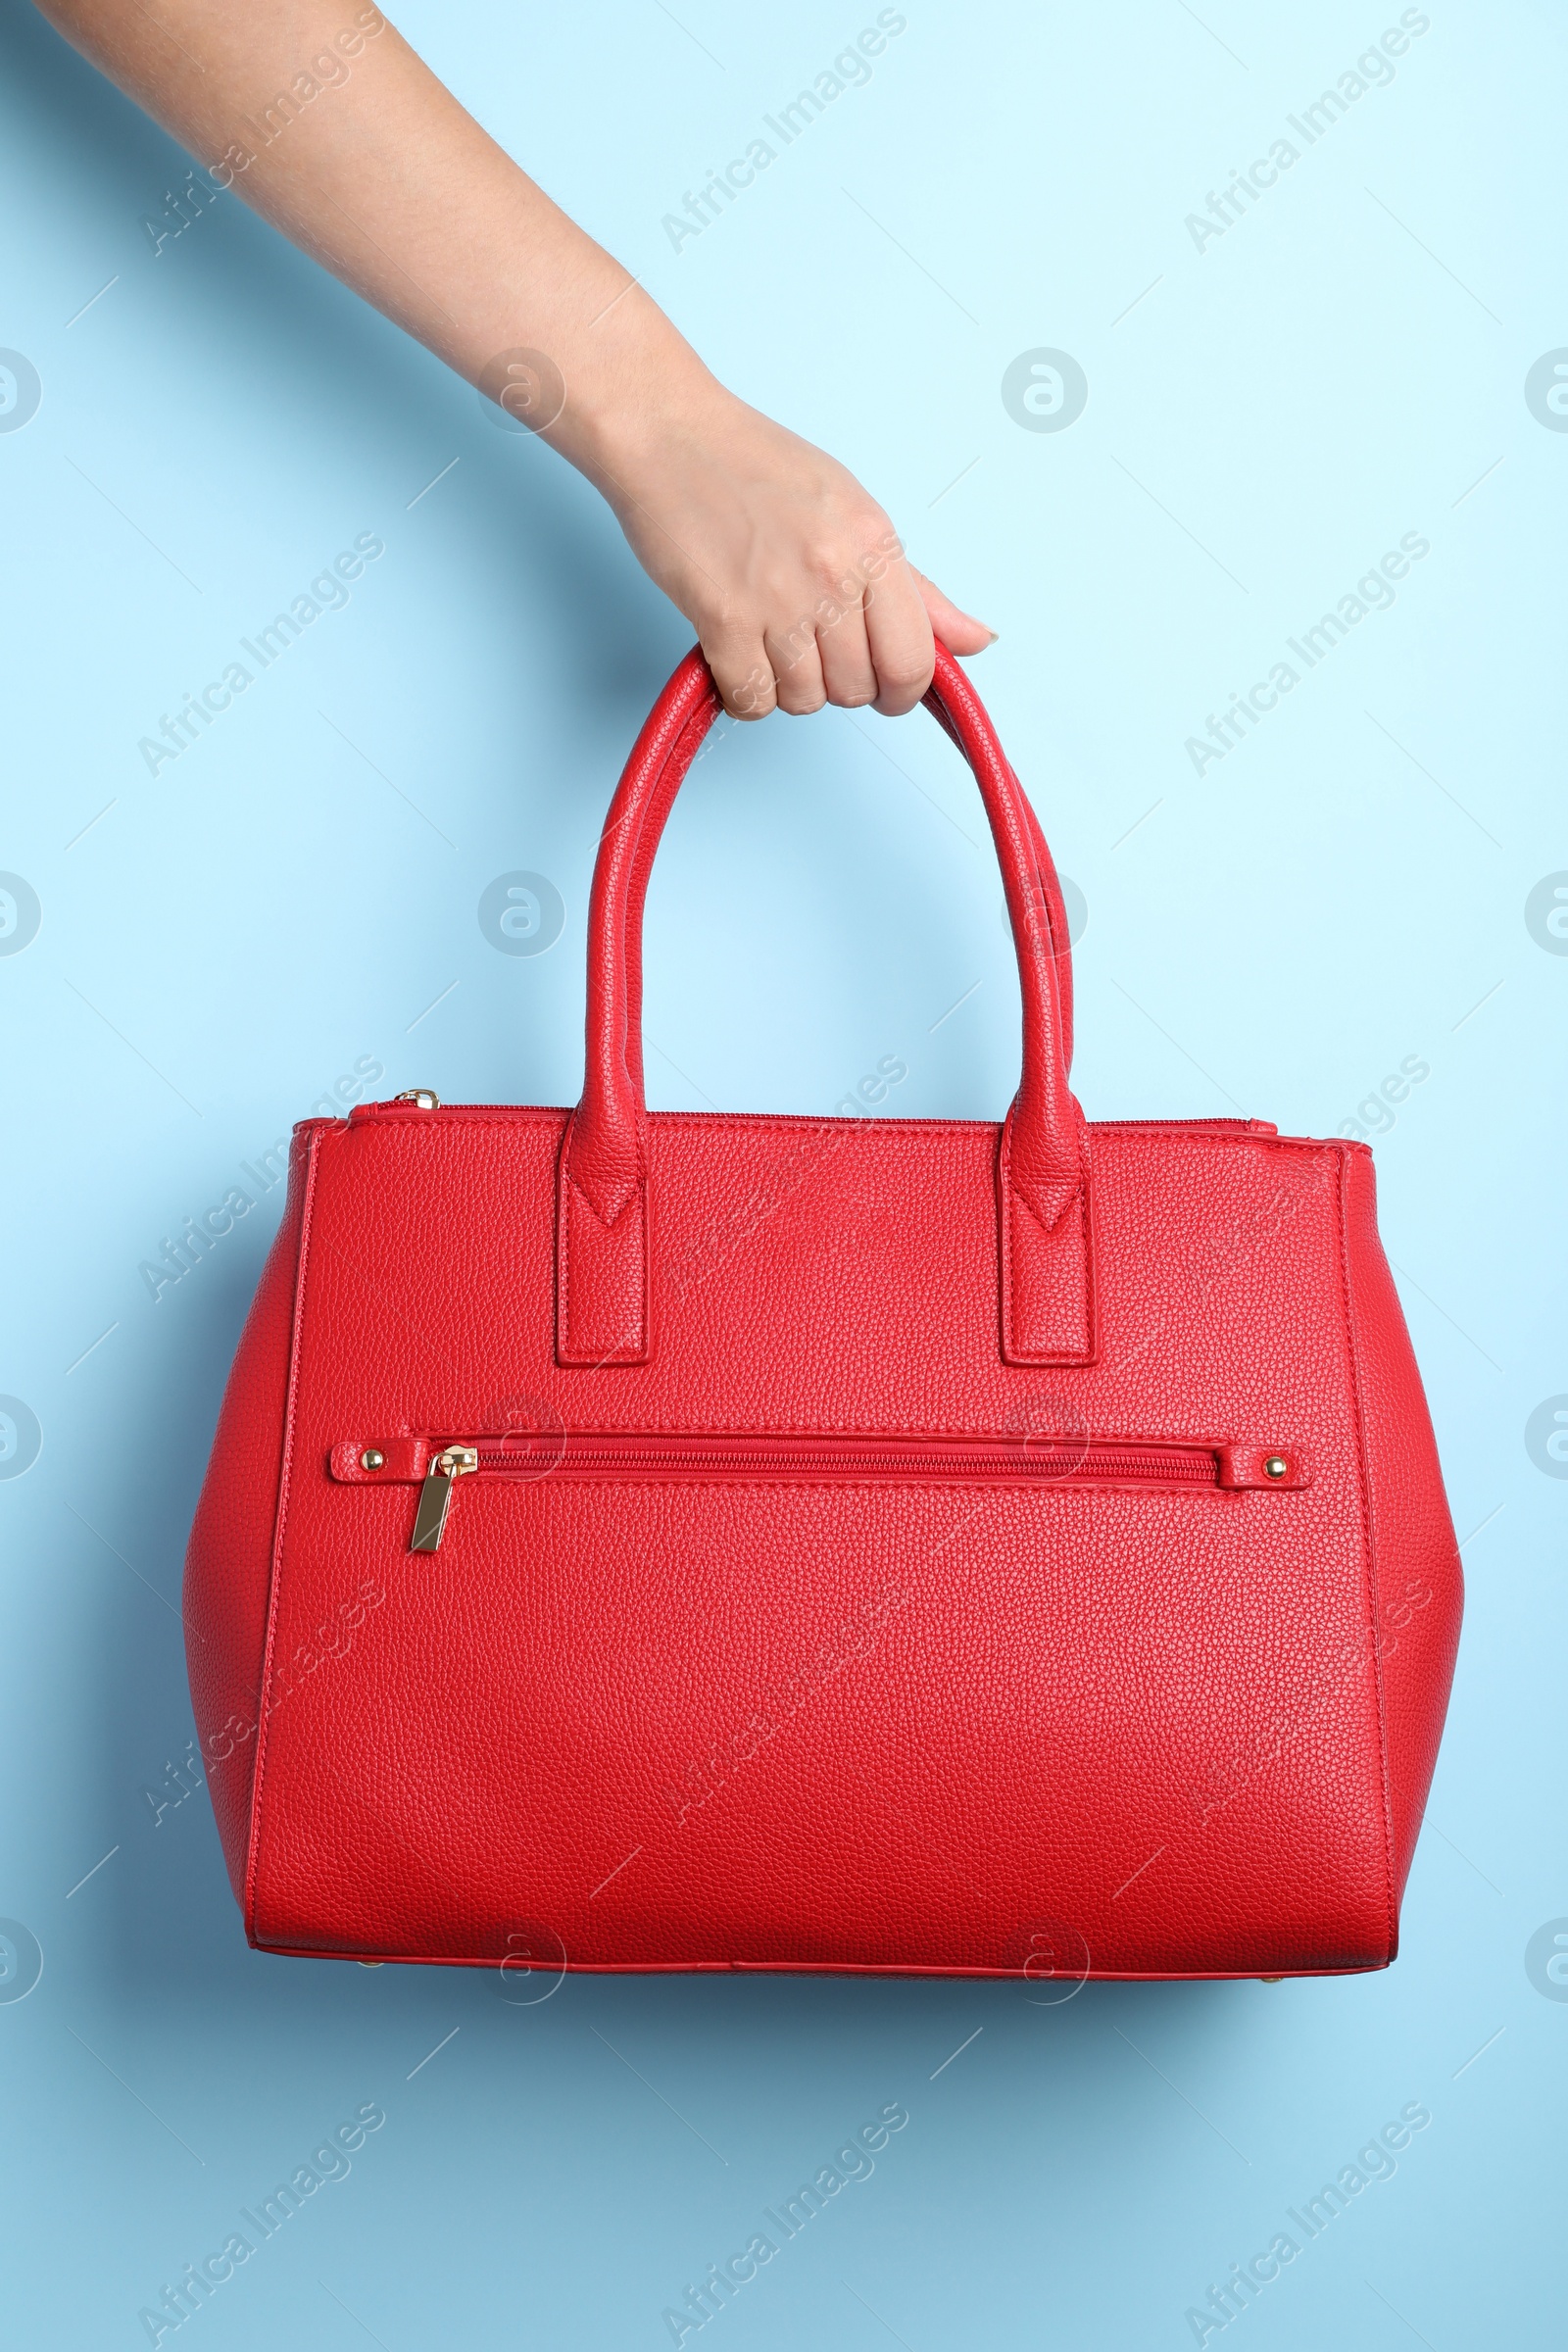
844,649
797,667
877,652
958,631
742,671
900,636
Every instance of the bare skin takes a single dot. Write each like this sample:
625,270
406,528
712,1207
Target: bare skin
790,572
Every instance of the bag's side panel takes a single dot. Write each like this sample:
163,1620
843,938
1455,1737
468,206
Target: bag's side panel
1417,1583
228,1563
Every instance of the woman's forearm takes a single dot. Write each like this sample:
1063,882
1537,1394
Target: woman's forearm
387,181
319,114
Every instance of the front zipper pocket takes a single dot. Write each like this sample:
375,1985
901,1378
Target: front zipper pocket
437,1464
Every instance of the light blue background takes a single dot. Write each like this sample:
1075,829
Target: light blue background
299,891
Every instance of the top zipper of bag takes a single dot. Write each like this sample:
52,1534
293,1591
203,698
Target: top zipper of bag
423,1098
439,1465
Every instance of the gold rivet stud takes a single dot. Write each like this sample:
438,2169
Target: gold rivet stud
376,1964
1261,1979
1275,1467
373,1458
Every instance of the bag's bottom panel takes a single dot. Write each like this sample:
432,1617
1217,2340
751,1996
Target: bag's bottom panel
1049,1990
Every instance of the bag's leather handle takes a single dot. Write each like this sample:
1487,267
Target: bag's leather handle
1047,888
603,1296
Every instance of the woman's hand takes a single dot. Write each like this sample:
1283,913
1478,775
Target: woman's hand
790,572
792,576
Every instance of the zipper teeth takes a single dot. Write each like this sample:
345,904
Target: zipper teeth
799,1118
1166,1464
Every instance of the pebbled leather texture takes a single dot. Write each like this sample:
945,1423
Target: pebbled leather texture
1417,1580
228,1564
820,1718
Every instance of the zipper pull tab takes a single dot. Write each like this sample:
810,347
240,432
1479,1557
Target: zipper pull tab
435,1495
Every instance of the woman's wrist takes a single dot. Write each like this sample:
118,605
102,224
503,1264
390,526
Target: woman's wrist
633,390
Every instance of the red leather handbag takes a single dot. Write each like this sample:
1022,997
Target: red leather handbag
668,1541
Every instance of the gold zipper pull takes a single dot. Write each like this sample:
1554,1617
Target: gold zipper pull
435,1495
420,1095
